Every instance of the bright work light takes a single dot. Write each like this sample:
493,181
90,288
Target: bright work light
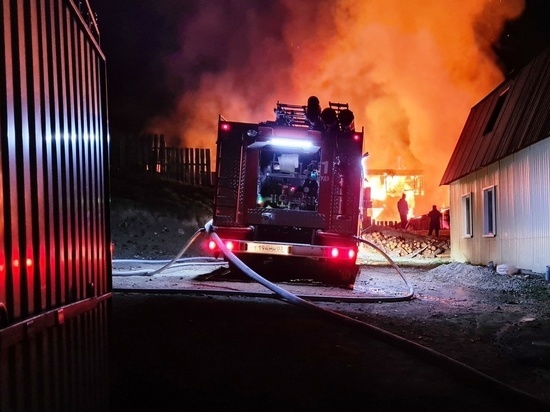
282,142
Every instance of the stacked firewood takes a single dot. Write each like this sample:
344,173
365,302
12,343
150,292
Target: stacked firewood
406,244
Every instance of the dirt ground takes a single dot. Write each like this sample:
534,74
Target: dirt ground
499,324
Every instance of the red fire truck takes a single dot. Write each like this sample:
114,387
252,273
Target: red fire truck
288,192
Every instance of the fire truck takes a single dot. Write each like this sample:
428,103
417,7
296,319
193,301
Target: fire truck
288,192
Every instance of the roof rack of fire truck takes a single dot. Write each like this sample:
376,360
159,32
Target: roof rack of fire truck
291,115
296,115
338,106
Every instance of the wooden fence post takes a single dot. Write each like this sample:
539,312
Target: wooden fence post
148,153
208,171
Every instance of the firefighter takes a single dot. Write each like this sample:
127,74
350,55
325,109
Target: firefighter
435,219
403,209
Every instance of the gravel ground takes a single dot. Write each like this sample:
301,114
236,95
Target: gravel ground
499,324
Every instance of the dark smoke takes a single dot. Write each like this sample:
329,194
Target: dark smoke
410,70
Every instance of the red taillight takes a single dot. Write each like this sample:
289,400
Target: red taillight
225,127
212,245
29,262
229,245
356,137
341,253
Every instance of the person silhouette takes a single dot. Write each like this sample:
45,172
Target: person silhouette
403,209
435,221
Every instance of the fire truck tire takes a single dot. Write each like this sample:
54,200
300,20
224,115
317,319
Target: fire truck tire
235,272
348,276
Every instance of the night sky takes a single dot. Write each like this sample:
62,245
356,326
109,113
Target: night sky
142,38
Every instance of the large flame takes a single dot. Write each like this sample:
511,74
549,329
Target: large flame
410,70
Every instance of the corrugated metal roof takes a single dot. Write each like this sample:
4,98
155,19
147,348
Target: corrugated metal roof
513,116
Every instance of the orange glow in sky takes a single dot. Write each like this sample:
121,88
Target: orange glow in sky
410,70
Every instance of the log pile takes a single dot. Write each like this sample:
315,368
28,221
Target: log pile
406,244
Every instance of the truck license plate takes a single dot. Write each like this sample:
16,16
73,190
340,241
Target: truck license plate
268,248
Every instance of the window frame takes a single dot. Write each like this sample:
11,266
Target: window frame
489,211
467,215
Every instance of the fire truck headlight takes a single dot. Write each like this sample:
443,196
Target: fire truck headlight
252,133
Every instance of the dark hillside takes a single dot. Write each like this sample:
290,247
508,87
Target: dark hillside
153,218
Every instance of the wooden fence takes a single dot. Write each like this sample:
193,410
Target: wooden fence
148,153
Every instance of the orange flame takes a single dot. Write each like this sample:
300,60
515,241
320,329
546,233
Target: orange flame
410,71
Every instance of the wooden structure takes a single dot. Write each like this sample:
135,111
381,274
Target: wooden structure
398,243
149,153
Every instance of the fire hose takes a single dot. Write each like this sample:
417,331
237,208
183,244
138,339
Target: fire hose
459,369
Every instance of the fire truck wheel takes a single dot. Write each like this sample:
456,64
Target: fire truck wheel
347,276
235,273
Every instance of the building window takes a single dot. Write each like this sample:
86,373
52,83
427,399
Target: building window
496,112
489,211
467,215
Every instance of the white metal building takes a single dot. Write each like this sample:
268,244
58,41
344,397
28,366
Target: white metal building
499,175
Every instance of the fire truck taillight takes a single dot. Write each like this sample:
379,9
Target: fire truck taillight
341,253
225,127
212,245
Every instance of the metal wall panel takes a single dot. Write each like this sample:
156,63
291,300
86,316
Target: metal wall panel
62,368
539,190
523,220
53,155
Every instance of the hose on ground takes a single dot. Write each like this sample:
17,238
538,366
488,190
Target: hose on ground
459,369
397,268
177,262
169,263
190,260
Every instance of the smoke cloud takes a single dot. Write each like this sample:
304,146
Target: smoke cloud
410,70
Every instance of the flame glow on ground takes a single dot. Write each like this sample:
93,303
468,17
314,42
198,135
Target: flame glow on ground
410,71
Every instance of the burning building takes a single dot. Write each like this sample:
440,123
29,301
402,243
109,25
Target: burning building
411,70
386,187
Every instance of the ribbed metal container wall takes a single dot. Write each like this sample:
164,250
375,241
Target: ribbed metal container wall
63,368
523,224
54,159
